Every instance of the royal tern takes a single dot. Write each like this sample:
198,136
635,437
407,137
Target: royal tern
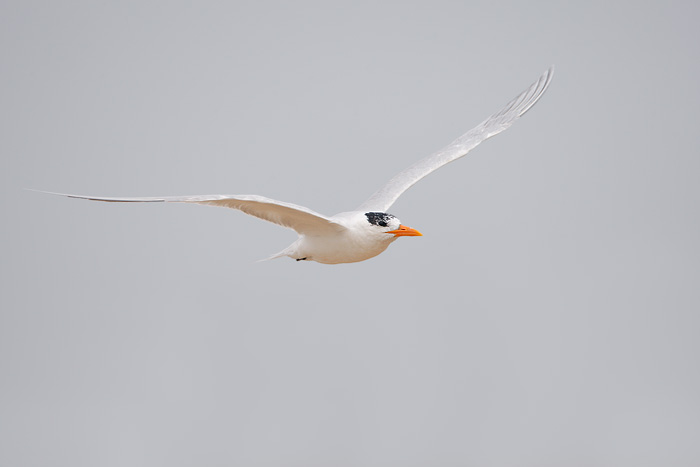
361,234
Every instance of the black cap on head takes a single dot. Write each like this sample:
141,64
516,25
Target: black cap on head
381,219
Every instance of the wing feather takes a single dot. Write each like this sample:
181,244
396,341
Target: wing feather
301,219
496,123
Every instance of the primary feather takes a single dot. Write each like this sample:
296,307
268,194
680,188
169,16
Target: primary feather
496,123
302,220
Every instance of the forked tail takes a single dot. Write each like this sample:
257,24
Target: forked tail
289,251
275,256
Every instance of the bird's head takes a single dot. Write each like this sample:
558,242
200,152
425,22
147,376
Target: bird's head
389,224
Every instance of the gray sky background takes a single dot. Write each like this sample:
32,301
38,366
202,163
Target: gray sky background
548,317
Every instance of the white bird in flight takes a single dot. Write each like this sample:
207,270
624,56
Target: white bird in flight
367,231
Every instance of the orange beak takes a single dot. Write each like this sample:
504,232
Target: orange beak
404,231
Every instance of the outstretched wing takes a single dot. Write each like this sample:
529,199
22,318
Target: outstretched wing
301,219
496,123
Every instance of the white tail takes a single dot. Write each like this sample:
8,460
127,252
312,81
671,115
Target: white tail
289,251
275,256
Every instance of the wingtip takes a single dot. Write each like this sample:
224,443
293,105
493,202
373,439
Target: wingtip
547,77
67,195
44,191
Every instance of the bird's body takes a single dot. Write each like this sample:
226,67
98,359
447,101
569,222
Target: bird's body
356,240
367,231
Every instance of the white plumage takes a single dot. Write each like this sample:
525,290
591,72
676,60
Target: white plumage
361,234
